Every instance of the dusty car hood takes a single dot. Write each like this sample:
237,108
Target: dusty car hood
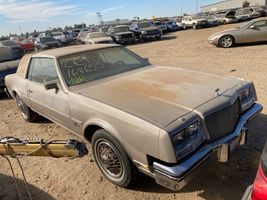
158,95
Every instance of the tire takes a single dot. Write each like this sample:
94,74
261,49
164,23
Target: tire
158,37
105,147
184,27
226,41
26,113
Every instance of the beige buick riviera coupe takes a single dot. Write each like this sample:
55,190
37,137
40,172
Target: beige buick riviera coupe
162,121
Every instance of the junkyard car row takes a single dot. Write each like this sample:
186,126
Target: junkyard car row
161,121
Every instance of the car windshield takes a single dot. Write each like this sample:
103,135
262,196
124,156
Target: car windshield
96,35
89,66
47,39
120,29
8,43
145,25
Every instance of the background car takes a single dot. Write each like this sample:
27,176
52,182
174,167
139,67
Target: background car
171,26
121,34
258,191
12,45
145,30
61,37
9,61
46,43
27,44
81,36
162,26
250,32
97,38
226,17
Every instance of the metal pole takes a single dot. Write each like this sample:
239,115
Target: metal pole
197,6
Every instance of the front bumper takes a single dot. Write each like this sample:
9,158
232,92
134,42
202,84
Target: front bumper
145,36
176,177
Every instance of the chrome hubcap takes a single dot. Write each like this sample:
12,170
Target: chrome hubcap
227,42
109,159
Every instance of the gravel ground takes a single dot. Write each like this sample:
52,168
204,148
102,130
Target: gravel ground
51,178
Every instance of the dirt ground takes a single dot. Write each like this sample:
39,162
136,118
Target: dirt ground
51,178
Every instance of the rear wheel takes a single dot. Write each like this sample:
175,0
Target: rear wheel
226,41
27,114
112,160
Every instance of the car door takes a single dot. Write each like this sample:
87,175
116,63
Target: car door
51,103
256,32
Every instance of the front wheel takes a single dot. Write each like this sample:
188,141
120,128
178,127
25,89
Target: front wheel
111,159
226,41
27,114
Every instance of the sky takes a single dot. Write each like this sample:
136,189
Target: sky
29,15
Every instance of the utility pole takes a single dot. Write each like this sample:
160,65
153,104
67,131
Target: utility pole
20,30
181,10
197,6
99,16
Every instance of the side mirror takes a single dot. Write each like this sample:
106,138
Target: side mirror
49,85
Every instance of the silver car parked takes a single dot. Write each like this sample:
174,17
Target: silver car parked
250,32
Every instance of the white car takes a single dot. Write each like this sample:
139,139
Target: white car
97,38
59,36
194,22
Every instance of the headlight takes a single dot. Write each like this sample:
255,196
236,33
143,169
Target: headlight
188,139
247,98
143,32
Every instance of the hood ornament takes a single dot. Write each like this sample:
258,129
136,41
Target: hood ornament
217,92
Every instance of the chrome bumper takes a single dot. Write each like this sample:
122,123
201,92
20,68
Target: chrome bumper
175,177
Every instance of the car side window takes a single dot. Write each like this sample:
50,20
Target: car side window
42,70
260,24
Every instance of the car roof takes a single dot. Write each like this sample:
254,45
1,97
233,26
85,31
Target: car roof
64,51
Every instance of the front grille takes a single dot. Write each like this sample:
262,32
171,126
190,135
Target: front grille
152,32
223,122
126,36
